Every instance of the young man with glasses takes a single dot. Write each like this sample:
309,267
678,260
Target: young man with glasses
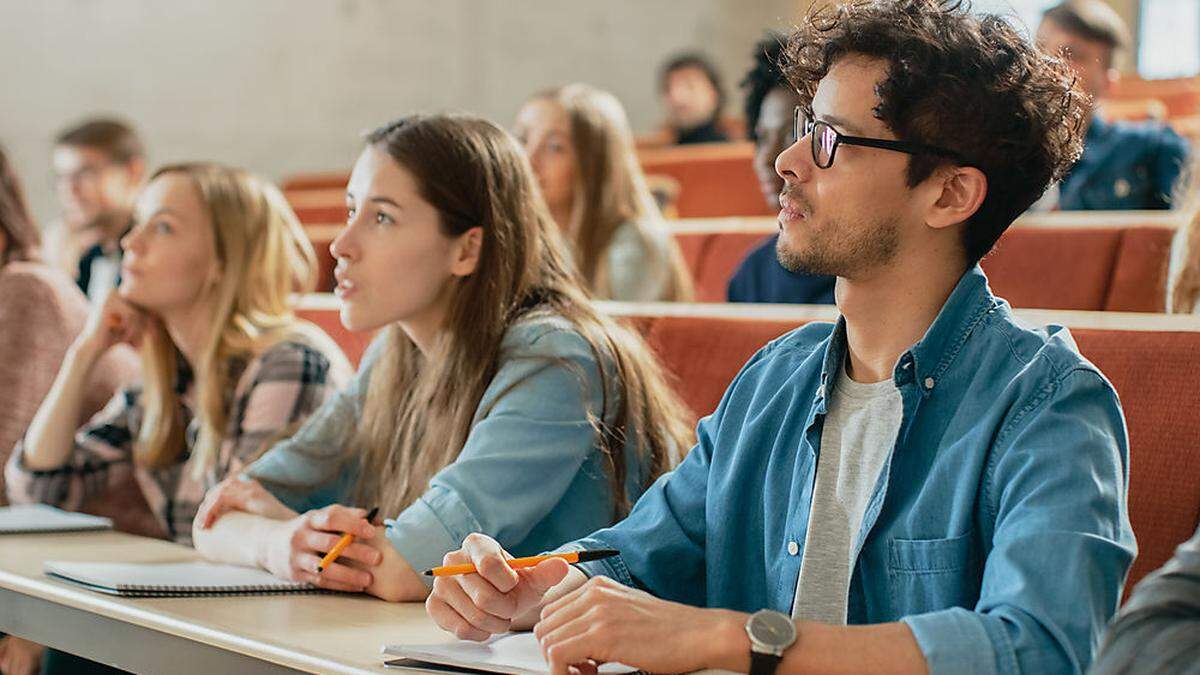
926,486
98,165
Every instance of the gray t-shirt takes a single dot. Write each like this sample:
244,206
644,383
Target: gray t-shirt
860,430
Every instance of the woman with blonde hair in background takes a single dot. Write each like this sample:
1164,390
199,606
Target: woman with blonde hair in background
206,293
497,397
582,150
1183,272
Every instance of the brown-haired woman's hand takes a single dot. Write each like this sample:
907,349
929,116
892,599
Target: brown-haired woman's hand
113,321
293,549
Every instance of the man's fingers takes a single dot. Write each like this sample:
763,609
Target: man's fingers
451,621
487,597
489,559
545,575
476,617
563,615
572,651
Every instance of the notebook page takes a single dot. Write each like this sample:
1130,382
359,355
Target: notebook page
507,653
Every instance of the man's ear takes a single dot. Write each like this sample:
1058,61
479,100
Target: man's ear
467,249
963,189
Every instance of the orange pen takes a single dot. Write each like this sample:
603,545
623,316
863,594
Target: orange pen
571,557
341,545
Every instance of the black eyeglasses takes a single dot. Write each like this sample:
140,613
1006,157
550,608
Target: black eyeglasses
826,139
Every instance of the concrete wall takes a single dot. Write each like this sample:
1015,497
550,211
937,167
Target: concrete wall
280,86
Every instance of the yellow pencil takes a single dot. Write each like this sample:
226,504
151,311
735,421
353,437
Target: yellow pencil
571,557
341,545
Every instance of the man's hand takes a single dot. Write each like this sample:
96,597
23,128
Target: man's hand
477,606
604,621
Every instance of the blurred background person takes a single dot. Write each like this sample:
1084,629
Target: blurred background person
1125,165
99,165
693,97
579,143
770,104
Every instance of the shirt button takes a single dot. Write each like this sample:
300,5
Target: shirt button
793,548
929,383
821,391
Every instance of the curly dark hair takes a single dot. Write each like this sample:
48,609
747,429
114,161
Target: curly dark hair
960,81
764,75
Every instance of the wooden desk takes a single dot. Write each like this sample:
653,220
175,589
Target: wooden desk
206,636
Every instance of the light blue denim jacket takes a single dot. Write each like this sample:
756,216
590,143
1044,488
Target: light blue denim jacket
530,473
998,528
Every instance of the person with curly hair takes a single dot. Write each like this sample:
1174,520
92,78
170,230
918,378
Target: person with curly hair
926,485
770,101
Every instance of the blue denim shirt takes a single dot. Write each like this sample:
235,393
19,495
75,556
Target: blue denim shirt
1124,166
530,473
997,530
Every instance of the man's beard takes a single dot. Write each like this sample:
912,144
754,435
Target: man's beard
838,249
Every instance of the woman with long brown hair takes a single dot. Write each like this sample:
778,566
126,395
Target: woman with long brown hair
582,151
206,293
496,397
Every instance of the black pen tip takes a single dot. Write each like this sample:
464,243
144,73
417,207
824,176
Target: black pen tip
597,554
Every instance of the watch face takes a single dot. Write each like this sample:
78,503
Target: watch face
772,629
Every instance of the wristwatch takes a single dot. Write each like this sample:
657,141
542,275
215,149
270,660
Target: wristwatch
771,633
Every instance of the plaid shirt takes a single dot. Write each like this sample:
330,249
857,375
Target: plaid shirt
275,392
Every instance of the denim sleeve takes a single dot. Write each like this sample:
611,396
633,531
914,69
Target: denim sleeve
662,541
1061,547
314,467
1158,632
525,450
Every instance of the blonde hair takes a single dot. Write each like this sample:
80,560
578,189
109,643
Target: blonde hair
611,190
1183,286
420,409
263,256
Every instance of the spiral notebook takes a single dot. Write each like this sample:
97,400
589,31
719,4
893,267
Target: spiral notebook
39,518
170,580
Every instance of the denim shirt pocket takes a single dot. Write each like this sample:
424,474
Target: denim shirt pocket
927,575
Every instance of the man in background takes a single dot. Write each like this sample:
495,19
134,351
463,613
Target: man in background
692,94
770,103
99,166
1124,165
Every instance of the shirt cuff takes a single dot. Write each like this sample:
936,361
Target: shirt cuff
957,640
433,526
613,568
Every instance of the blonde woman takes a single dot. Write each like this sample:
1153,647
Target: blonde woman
497,396
582,151
1183,274
207,276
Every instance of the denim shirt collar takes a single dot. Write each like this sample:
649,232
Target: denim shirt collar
927,360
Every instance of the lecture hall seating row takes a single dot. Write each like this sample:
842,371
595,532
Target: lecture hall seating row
1150,359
